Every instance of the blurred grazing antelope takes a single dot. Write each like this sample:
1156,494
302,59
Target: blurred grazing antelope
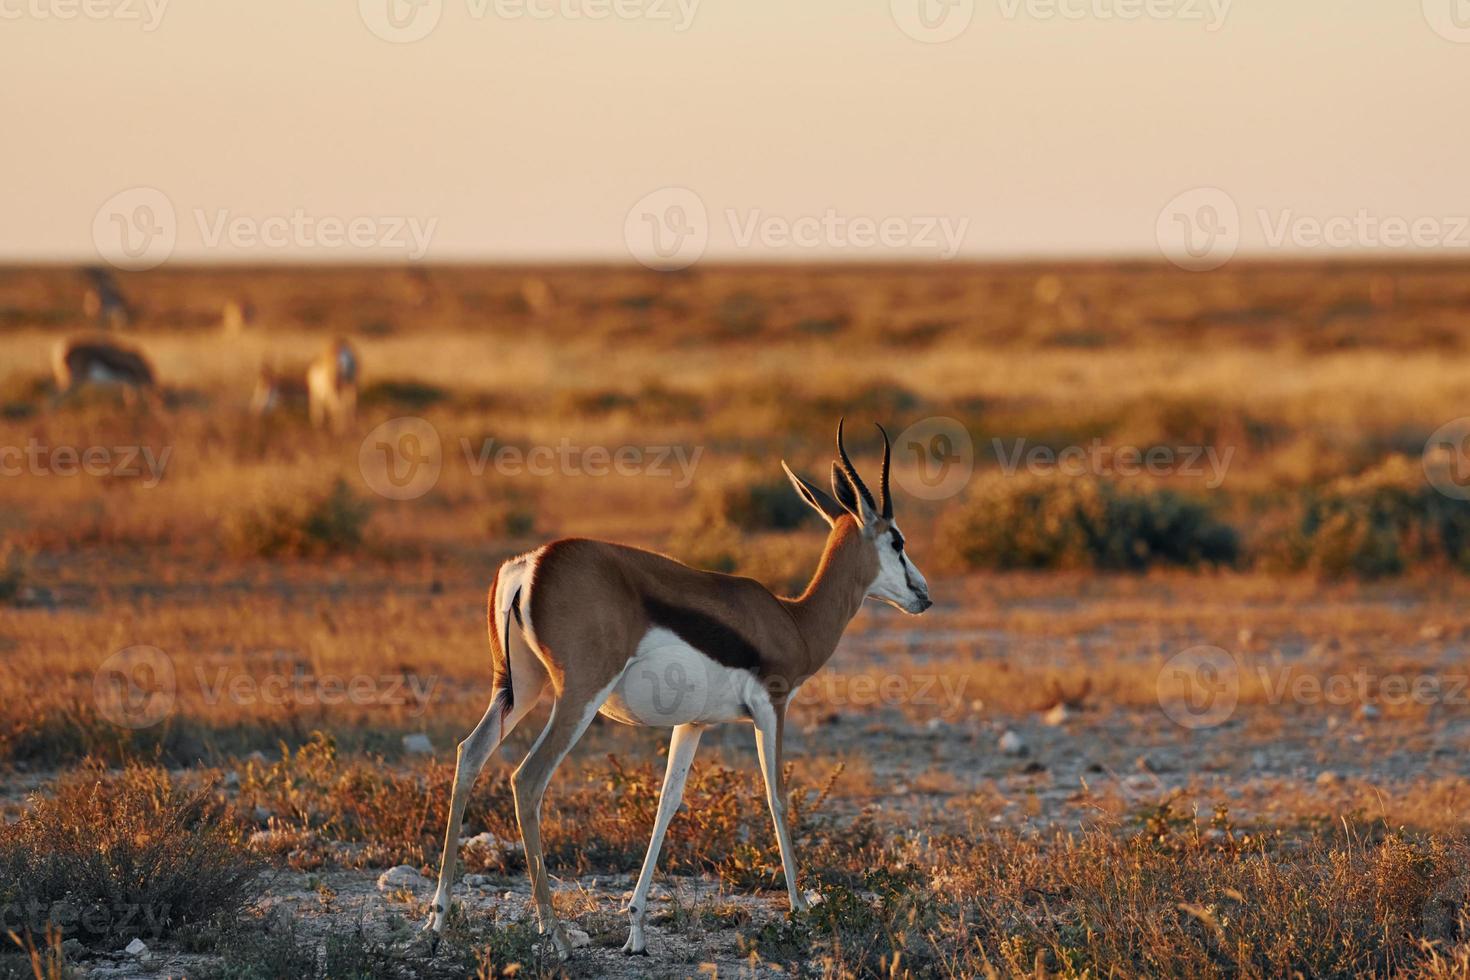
645,640
103,301
100,361
328,386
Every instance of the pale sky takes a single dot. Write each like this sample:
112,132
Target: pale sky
804,129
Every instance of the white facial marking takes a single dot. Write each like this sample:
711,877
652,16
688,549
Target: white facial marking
899,582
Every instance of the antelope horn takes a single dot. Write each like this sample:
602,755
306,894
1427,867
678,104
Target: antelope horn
852,474
885,502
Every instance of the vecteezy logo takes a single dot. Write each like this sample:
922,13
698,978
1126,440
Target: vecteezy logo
1450,19
1199,230
934,458
135,687
135,229
401,21
401,459
1446,459
668,229
932,21
1199,687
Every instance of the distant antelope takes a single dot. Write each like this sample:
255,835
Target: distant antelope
331,383
236,315
103,301
646,640
100,361
328,386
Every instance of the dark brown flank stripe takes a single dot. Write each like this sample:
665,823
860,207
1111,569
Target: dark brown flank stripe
704,633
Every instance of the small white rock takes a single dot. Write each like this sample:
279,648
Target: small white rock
1058,715
578,938
813,897
1327,778
136,948
402,876
418,744
1011,744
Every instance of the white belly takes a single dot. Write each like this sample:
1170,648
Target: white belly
668,682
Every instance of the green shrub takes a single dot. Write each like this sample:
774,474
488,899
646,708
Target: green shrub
759,505
1380,522
110,858
330,523
403,393
1054,522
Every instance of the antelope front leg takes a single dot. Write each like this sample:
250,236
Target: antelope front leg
682,745
769,725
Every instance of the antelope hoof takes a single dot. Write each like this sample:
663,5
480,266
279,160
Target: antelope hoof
629,949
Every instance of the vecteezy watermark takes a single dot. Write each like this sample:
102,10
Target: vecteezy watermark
1446,459
1363,229
138,229
1202,229
401,21
148,14
298,230
406,21
666,687
403,458
1450,19
1210,13
568,459
1362,686
932,21
135,229
1199,687
1199,230
934,458
301,688
136,687
1098,459
670,229
91,918
938,235
123,462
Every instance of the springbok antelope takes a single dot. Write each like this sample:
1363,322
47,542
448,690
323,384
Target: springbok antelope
103,301
645,640
331,384
327,386
100,361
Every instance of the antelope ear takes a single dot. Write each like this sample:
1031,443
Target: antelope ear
846,493
815,497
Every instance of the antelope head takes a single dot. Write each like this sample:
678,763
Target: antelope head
898,581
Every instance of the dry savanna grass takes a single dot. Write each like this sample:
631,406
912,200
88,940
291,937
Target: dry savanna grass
217,639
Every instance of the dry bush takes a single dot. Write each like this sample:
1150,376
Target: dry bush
1048,522
597,817
1384,521
303,526
112,857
